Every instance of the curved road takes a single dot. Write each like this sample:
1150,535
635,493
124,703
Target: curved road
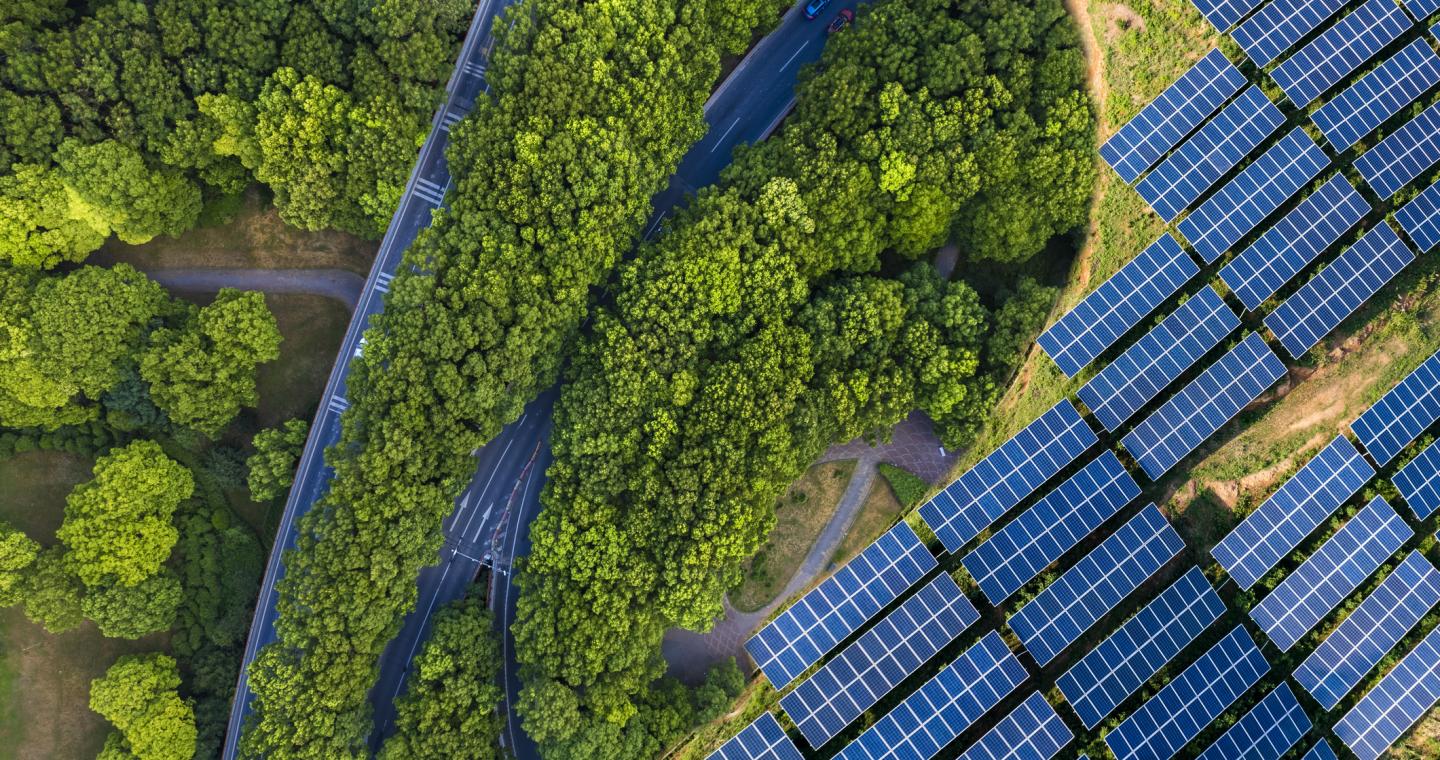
339,284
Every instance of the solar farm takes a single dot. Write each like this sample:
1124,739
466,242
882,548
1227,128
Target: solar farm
1042,605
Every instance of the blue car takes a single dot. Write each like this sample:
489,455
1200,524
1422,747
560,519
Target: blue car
814,7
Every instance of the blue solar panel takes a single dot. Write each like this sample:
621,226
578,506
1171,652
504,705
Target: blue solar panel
1134,653
1404,155
881,658
1420,218
1321,304
1034,731
1293,512
1163,354
1321,751
1340,50
1397,703
1223,14
1372,630
1239,207
1040,535
1332,573
801,635
1202,407
1274,725
1057,616
1118,305
945,706
1280,25
1422,9
1419,482
1293,242
1179,109
1171,718
1368,103
1007,475
761,740
1401,415
1209,153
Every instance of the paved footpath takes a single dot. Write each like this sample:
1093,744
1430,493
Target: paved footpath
338,284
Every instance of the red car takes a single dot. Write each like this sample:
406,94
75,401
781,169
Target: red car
841,21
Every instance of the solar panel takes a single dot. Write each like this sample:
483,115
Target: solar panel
936,713
1403,155
1292,243
1198,92
1239,207
1118,305
1057,616
879,660
1209,153
1034,731
1171,718
1420,218
1397,703
1332,573
1222,14
1419,482
1321,751
1422,9
1372,630
1401,415
1293,512
1157,359
1274,725
801,635
761,740
1368,103
1321,304
1040,535
1280,25
1135,652
1202,407
1007,475
1340,50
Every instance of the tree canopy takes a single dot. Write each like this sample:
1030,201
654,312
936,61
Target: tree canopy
272,466
138,696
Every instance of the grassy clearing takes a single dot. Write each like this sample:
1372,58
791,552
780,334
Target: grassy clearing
880,511
757,698
34,485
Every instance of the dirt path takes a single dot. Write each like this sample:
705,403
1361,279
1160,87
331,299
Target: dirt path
338,284
1094,64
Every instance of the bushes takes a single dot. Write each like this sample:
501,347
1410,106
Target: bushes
909,488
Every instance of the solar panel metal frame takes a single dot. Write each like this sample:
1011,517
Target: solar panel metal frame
1420,218
1339,51
1032,731
1281,24
1120,303
1108,674
1222,14
1379,95
1402,414
1274,725
1403,155
1040,535
1419,482
1007,475
1294,511
763,739
1092,587
1294,242
1310,593
868,669
830,612
1203,406
1371,725
1368,633
1252,195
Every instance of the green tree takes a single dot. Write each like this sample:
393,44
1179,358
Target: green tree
130,612
272,466
52,593
37,229
111,188
138,696
17,554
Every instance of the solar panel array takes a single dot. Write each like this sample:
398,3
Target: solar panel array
1332,573
1135,652
1397,703
1321,304
1034,731
1178,712
1340,50
1321,751
1280,25
1057,616
880,659
1157,359
1420,218
1223,14
933,715
1422,9
1382,93
1238,207
801,635
761,740
1292,243
1419,482
1403,155
1118,305
1293,512
1274,725
1373,629
1040,535
1007,475
1198,92
1213,150
1402,414
1200,408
